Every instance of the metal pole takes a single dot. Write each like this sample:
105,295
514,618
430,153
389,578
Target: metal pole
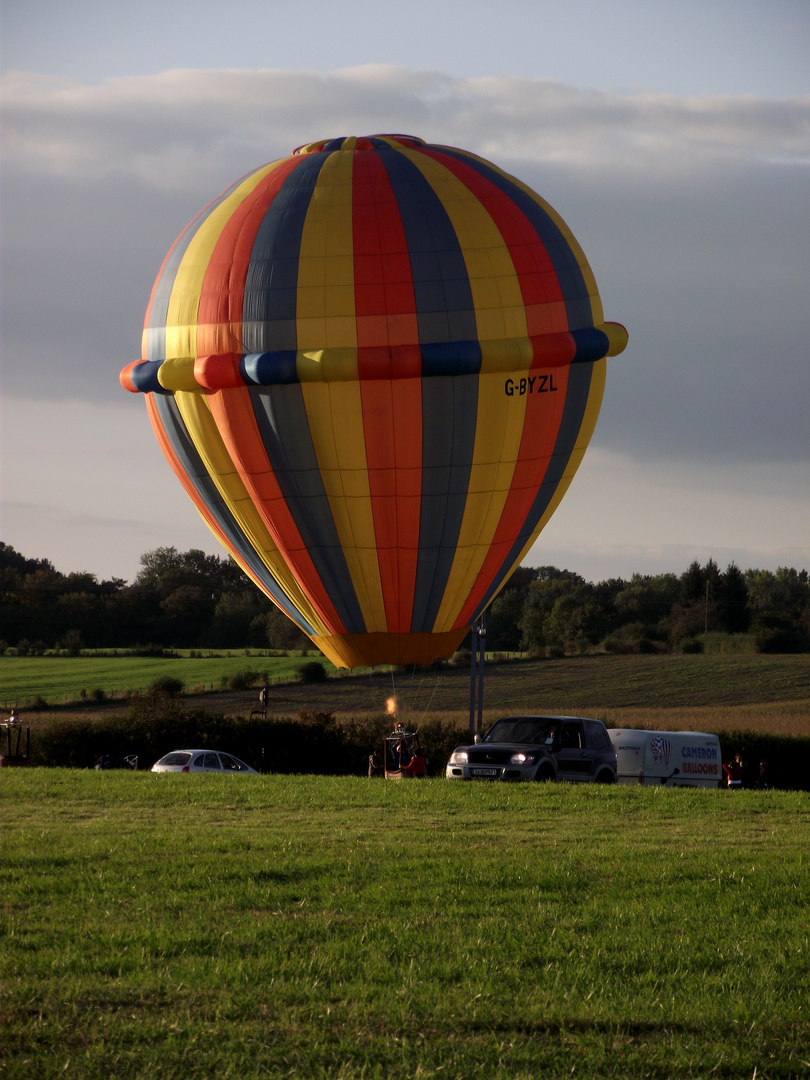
482,643
473,654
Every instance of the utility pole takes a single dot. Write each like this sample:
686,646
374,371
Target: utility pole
478,638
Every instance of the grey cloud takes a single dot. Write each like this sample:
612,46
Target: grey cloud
697,233
153,126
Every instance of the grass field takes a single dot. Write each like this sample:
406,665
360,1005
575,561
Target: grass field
60,679
163,926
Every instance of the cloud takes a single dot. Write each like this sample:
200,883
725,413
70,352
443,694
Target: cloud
696,230
164,128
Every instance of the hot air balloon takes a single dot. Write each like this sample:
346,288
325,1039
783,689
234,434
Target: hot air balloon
375,366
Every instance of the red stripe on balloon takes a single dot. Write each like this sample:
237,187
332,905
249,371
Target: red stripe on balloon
385,312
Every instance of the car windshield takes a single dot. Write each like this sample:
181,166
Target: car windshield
522,729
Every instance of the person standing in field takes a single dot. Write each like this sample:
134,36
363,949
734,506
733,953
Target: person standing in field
735,771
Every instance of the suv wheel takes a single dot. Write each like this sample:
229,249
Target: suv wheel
544,773
605,777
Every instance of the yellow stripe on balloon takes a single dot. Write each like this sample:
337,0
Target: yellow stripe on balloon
334,409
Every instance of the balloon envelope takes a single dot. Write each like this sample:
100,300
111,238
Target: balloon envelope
375,366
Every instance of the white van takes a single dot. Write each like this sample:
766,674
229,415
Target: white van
674,758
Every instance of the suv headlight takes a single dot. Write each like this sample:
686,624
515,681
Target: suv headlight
459,757
522,759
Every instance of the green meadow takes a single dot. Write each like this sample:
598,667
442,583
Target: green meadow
201,926
59,679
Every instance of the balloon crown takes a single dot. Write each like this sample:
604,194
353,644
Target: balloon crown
354,142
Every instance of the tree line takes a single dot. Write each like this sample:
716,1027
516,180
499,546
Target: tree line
193,600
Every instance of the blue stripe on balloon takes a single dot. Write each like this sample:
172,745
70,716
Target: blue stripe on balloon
271,285
269,368
449,407
444,303
591,344
208,493
281,417
451,358
144,377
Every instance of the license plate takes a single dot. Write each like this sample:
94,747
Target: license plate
484,772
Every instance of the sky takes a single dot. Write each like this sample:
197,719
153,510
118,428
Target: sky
672,136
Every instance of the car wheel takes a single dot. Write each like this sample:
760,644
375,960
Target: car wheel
605,777
544,774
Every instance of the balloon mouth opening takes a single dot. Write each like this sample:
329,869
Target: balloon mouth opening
222,371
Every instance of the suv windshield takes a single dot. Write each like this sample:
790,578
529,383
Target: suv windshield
536,732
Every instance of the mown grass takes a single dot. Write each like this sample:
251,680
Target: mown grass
163,926
58,679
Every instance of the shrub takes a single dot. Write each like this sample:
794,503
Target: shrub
618,646
780,640
691,646
312,672
168,685
244,680
152,651
72,643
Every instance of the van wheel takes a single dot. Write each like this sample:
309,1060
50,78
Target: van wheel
544,774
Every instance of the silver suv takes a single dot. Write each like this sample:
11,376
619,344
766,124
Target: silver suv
538,748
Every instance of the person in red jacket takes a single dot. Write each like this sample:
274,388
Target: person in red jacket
735,772
417,766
